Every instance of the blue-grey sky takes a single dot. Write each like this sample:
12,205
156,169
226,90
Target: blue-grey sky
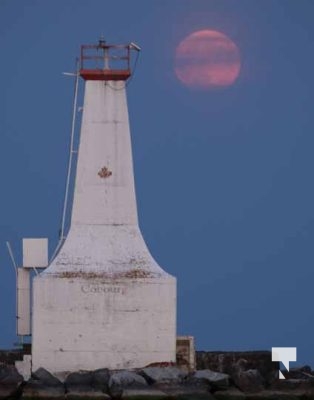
223,177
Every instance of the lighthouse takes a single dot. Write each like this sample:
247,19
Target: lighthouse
103,301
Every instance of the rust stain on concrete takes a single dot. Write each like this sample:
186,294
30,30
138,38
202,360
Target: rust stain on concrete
134,273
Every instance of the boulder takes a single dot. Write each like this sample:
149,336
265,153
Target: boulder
9,375
226,361
198,385
272,378
163,374
125,380
216,380
36,389
81,378
100,379
79,385
250,381
10,381
46,378
306,368
299,373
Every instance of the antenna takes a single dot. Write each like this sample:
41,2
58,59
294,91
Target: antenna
12,257
135,46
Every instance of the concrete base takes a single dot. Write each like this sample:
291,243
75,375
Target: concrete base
89,323
117,313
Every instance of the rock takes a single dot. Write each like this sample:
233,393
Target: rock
299,373
43,385
227,361
9,375
306,368
46,378
163,374
79,385
272,378
125,380
216,380
81,378
100,379
198,385
36,389
10,381
249,381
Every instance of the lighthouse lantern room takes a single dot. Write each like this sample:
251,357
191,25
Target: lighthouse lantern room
106,62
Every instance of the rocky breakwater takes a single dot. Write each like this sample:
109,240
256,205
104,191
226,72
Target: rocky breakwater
160,382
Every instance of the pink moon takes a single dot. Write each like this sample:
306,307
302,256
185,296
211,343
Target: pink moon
207,59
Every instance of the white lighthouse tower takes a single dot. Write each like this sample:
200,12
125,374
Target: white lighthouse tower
103,301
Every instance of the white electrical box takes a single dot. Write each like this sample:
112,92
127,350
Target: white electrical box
35,253
23,302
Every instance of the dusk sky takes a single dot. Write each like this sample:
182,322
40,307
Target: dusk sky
224,175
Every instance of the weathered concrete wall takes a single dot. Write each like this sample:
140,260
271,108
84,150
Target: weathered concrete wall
104,187
84,323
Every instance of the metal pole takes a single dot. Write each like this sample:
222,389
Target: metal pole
71,154
15,270
72,151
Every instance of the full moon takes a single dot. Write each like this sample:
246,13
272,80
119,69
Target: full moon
207,59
